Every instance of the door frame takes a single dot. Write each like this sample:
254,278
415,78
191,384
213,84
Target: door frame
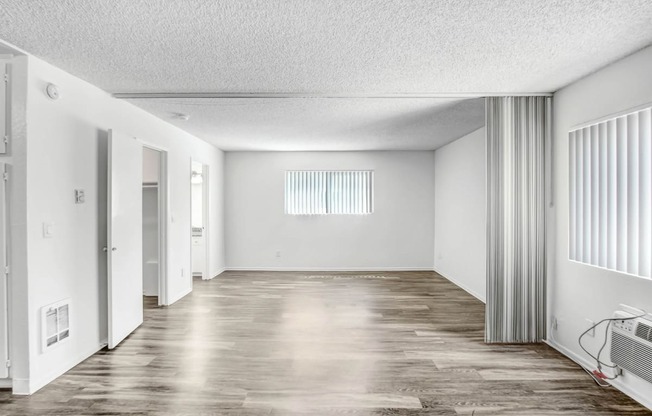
163,221
5,301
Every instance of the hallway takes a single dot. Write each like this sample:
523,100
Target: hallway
279,343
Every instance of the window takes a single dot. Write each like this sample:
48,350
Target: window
321,192
611,194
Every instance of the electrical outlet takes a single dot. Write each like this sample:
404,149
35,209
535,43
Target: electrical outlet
591,333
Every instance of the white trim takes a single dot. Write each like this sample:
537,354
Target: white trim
205,220
180,296
31,386
165,219
20,387
321,94
329,269
6,383
462,286
219,272
642,398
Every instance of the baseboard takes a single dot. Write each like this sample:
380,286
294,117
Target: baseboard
219,272
31,386
643,399
462,286
6,383
20,386
331,269
179,296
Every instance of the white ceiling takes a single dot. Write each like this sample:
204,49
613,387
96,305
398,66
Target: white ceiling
324,123
315,47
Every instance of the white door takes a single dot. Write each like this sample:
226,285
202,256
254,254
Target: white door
125,236
4,284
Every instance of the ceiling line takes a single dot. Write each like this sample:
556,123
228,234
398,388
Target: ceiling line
160,95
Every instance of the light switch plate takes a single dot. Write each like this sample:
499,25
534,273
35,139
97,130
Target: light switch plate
80,197
48,230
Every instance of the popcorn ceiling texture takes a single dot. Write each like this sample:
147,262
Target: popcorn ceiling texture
324,123
334,46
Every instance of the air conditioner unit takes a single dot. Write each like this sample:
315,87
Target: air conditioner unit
631,344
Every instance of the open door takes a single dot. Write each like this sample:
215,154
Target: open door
4,284
124,248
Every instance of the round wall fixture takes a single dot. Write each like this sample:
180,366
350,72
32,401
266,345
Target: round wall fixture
52,91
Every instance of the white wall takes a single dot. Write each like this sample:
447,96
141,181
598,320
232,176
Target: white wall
460,220
197,190
577,291
65,150
151,162
398,235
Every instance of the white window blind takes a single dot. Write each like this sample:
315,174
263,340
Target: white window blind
321,192
611,194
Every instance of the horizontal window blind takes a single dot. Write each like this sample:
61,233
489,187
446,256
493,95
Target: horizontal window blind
611,194
328,192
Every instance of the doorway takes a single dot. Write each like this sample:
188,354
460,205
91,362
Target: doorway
154,224
199,220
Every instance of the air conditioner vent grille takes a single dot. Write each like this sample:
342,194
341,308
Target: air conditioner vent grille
632,355
644,331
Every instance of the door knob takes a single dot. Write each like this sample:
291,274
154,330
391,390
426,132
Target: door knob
104,249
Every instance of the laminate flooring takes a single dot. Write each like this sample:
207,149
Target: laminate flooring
278,343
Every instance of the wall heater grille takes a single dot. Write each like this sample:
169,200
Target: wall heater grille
55,323
631,345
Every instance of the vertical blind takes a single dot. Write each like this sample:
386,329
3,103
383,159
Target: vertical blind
518,131
321,192
611,194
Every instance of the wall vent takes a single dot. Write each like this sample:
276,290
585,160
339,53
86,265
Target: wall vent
55,323
631,345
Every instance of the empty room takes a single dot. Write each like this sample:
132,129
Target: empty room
381,207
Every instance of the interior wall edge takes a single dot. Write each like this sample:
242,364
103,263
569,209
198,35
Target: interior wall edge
461,286
179,296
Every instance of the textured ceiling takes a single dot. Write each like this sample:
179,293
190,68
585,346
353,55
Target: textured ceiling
324,123
357,47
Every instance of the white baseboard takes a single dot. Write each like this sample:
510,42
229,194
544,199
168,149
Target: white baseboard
462,286
219,272
331,269
31,386
643,399
179,296
6,383
20,386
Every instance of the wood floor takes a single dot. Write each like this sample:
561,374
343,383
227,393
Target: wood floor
254,343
